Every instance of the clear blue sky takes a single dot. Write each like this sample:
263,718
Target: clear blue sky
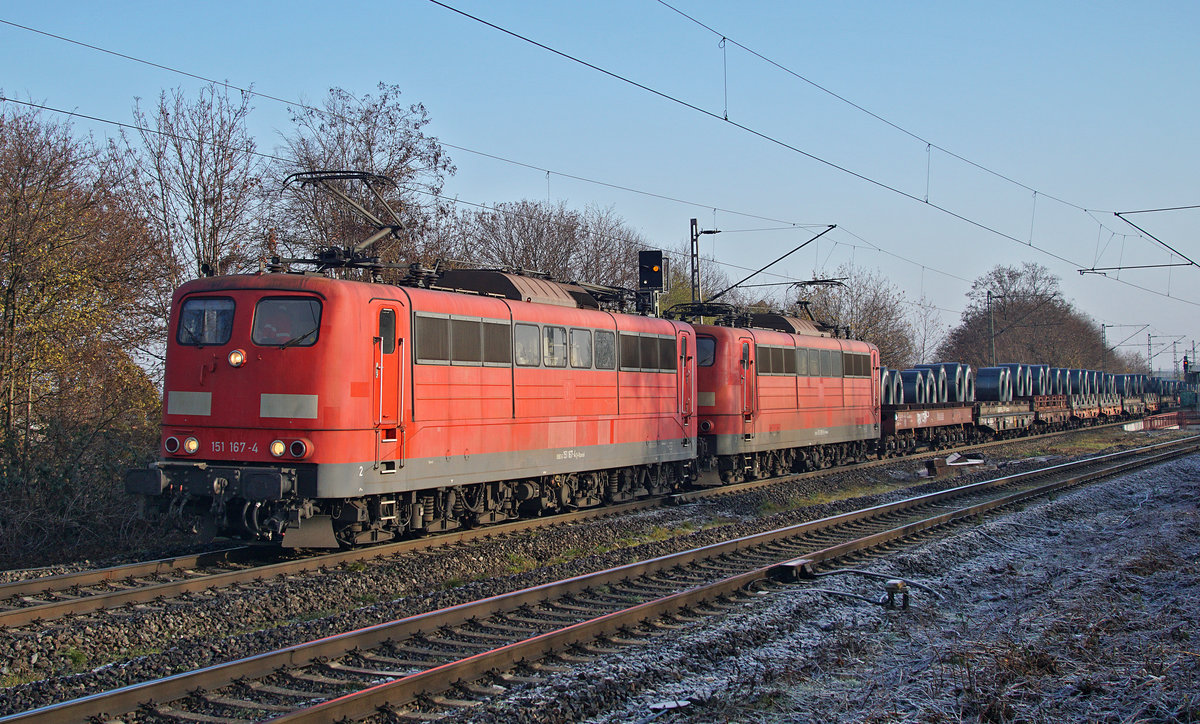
1092,103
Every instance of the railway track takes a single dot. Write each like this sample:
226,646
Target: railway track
419,666
51,597
48,598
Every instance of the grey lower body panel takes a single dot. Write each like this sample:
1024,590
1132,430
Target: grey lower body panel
351,480
780,439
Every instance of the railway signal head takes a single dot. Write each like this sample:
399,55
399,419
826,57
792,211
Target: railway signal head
651,271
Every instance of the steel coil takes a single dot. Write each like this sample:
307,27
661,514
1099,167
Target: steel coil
955,373
940,381
1020,378
994,384
914,386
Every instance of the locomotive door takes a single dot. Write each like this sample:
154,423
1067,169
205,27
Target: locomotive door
875,391
387,386
684,376
749,378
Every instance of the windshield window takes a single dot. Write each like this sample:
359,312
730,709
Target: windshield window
286,322
205,320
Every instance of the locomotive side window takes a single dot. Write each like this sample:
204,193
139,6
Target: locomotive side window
814,362
706,351
466,341
441,339
286,322
630,354
764,359
649,353
857,365
777,360
205,320
802,362
606,350
581,348
497,344
667,353
835,358
826,363
555,346
527,341
387,330
432,339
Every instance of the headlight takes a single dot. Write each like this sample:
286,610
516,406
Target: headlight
278,448
237,358
171,444
298,448
191,445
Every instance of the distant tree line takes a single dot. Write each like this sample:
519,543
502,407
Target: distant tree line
94,236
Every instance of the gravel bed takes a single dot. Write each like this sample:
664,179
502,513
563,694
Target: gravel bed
1082,608
70,658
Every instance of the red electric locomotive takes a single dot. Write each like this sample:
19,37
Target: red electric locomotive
782,394
316,412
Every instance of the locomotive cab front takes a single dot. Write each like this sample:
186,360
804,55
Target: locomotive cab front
241,404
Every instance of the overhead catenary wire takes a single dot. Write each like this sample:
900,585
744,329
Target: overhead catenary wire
929,145
442,197
483,154
911,134
250,91
783,144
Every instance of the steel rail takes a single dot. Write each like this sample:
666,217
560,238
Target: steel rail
106,600
692,495
65,581
439,679
115,599
174,687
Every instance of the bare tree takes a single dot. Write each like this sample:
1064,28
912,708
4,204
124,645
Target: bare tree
531,235
372,134
1022,312
928,331
594,245
873,308
199,180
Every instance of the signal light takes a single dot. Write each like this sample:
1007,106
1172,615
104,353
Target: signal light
651,271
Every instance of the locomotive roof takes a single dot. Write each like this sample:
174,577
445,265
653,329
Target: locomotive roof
786,323
516,287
